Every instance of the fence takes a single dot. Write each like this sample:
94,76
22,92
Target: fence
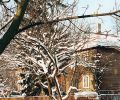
110,97
43,98
102,97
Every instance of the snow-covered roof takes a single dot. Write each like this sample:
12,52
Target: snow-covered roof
95,40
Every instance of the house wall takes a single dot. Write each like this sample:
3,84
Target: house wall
68,77
62,81
75,79
91,80
86,68
17,72
74,76
9,72
9,78
110,61
106,60
13,75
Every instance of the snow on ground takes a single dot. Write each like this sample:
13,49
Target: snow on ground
89,94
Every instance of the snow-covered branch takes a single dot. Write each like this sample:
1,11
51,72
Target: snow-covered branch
69,90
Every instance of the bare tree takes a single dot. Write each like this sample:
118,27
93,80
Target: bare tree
117,19
46,45
47,52
20,11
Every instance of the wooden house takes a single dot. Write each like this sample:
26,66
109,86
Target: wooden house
97,67
103,63
10,68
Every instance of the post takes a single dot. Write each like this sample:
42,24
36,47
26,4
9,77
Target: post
98,28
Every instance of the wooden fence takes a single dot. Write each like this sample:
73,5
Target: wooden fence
110,97
42,98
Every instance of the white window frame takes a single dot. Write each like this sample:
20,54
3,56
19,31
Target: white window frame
85,79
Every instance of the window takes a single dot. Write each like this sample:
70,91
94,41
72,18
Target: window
85,81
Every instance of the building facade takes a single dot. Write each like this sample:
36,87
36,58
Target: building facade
97,70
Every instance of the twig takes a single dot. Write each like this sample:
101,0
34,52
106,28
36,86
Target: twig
67,18
7,24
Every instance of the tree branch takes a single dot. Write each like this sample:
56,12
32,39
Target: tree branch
13,29
6,24
117,15
67,18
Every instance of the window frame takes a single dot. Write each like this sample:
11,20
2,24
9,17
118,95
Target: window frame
85,78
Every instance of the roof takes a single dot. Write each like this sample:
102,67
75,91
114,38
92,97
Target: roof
97,40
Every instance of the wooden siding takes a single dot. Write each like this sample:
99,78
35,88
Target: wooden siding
111,77
75,78
109,59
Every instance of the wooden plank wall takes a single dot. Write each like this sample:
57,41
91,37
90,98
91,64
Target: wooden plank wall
42,98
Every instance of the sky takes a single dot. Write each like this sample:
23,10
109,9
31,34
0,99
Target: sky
104,6
107,23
